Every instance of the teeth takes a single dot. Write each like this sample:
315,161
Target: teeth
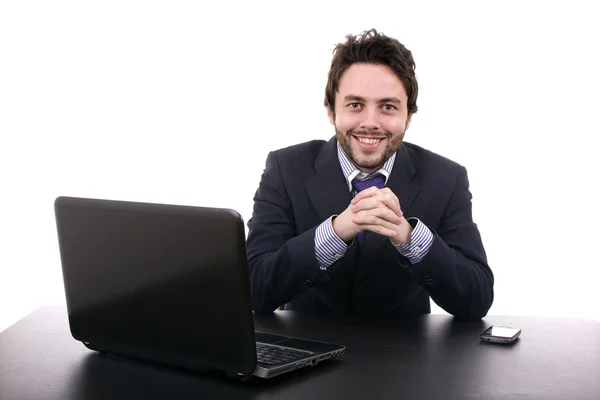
368,140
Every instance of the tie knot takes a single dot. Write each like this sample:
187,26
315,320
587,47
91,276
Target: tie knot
376,180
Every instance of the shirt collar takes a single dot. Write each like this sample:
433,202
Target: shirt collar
350,171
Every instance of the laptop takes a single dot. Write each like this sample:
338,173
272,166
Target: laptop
169,284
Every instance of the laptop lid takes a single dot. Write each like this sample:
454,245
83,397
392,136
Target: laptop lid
164,283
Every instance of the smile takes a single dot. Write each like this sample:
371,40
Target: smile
369,140
368,143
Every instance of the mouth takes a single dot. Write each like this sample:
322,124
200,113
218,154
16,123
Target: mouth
368,142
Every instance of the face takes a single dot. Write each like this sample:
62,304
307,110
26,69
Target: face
370,115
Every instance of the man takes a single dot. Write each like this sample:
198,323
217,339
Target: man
367,222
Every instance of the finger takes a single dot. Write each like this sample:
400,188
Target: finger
366,204
378,216
364,194
378,201
393,204
392,200
389,233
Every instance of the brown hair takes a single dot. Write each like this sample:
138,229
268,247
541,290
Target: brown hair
372,47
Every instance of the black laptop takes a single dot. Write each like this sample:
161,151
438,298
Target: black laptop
169,284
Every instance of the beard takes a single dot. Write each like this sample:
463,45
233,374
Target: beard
394,141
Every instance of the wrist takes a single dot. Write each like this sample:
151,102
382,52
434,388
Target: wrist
341,229
403,233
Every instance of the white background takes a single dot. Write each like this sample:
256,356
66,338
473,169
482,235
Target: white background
139,100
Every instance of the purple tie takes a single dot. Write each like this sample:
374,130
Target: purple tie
376,180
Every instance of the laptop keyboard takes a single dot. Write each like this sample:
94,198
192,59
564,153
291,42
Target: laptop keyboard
270,355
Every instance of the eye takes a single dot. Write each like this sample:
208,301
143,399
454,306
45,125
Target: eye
389,107
354,105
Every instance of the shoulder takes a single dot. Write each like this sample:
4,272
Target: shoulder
299,155
305,150
429,163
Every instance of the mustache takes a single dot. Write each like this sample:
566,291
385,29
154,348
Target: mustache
375,134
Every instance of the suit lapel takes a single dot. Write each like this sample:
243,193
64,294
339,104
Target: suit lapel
328,188
400,182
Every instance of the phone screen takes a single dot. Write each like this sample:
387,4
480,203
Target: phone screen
501,331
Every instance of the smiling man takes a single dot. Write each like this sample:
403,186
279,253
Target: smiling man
367,222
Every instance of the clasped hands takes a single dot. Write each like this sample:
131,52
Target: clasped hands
375,210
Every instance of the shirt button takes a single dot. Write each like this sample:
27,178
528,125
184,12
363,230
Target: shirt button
337,256
417,249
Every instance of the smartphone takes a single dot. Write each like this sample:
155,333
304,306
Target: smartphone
500,334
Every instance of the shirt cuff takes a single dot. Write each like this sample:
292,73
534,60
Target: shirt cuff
328,246
421,239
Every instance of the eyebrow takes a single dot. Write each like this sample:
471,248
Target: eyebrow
384,100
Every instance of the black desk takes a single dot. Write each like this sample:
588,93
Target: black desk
425,357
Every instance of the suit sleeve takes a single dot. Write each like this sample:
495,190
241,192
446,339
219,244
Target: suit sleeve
455,271
282,263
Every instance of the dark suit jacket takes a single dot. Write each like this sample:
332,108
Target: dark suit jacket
303,185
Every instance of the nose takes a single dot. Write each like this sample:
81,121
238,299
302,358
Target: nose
371,121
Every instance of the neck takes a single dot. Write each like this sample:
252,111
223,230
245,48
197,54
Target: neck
361,169
367,170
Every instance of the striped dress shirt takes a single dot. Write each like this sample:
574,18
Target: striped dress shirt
329,247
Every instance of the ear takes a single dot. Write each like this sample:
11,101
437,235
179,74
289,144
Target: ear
408,120
331,116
